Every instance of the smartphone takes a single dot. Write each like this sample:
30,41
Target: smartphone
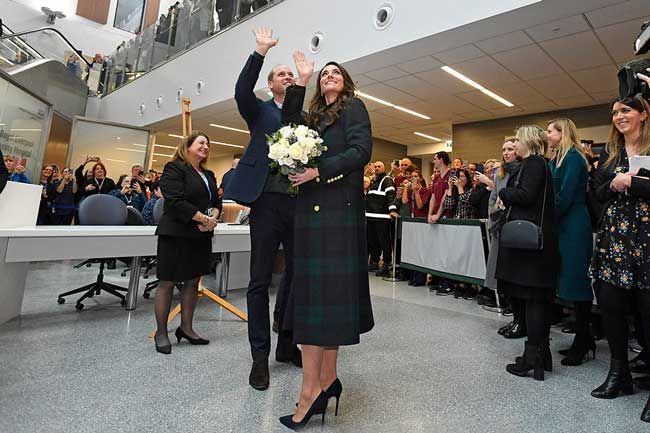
396,162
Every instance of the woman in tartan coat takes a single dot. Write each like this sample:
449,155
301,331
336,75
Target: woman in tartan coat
329,302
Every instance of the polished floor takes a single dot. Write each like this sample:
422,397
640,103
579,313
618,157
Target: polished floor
432,364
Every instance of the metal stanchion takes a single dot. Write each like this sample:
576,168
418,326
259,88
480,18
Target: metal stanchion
392,278
222,274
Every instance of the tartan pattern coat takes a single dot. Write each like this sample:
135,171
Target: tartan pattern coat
329,301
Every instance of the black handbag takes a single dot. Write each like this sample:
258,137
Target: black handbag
522,234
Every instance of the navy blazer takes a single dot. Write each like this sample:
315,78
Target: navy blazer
185,194
262,118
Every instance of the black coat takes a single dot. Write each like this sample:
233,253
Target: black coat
185,193
480,200
527,268
105,187
330,297
4,173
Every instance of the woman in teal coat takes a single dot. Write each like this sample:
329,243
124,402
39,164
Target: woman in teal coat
570,177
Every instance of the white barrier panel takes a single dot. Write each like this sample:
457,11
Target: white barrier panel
456,249
19,205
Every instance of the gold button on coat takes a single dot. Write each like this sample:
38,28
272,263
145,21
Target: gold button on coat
316,208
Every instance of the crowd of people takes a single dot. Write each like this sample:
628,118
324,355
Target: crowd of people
63,189
547,177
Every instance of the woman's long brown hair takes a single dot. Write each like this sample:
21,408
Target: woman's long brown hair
616,140
318,108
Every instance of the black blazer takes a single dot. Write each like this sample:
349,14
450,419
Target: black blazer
4,173
185,194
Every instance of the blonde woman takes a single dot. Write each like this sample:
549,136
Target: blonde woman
530,275
570,173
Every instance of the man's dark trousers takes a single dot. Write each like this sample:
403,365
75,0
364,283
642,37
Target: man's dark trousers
271,224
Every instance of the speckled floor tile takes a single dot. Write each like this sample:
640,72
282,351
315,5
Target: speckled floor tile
432,364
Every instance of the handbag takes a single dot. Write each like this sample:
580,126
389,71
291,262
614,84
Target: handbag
522,234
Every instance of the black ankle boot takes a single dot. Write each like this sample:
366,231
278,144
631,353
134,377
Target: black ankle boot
502,330
645,415
518,330
579,350
619,381
533,359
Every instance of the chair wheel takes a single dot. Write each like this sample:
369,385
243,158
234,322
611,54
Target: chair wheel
146,295
123,274
91,295
123,302
79,307
60,301
88,265
146,277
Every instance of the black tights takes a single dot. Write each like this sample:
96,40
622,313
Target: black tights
538,324
518,310
163,303
614,303
583,318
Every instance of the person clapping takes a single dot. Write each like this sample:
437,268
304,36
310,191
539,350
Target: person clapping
130,193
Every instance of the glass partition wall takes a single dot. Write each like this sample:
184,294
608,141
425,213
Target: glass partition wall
24,127
119,147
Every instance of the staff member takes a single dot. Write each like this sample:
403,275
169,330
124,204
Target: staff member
185,231
98,183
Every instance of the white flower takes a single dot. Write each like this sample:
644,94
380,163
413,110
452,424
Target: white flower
277,151
286,131
296,151
287,161
301,132
284,143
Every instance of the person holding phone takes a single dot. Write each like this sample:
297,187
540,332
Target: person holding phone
97,183
63,191
130,193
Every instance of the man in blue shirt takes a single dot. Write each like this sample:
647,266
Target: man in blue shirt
16,172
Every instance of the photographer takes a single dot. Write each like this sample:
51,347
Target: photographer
98,183
416,195
459,189
137,174
130,193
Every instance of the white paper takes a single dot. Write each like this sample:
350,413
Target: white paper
19,204
638,162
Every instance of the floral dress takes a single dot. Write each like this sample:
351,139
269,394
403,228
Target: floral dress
622,252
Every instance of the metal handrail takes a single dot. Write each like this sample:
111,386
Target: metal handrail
51,29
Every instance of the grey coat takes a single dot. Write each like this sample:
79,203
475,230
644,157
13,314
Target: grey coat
491,267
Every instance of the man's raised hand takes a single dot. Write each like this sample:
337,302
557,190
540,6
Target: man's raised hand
264,40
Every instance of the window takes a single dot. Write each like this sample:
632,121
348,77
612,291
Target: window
128,15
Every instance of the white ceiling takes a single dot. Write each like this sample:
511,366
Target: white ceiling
547,65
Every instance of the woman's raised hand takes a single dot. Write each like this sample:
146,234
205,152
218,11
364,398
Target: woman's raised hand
264,40
304,67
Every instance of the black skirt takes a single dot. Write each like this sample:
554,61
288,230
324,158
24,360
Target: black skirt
526,293
183,259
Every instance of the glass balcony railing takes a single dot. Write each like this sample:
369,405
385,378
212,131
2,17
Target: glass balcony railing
183,26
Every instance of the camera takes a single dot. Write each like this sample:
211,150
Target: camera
628,84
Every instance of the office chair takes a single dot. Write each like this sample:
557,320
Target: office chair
99,210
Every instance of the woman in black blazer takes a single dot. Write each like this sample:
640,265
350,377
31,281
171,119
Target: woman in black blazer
530,275
98,183
185,231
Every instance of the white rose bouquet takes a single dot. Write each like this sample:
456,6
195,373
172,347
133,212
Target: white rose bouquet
292,149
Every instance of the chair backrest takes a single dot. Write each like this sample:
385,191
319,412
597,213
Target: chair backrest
102,210
158,210
134,217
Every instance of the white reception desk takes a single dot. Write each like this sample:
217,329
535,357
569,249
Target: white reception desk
19,246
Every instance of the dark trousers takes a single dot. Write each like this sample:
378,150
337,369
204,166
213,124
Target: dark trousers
379,236
271,224
615,304
226,10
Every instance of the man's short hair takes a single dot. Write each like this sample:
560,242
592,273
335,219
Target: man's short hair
444,156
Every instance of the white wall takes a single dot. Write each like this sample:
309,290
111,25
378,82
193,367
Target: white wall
86,35
349,32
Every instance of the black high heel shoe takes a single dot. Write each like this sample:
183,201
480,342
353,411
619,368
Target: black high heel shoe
579,352
320,401
335,390
180,334
163,348
533,359
506,328
618,382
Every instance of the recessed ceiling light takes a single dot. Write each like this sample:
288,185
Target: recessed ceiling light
175,136
477,86
115,160
229,128
430,137
227,144
140,145
26,129
390,104
165,146
117,138
163,154
130,150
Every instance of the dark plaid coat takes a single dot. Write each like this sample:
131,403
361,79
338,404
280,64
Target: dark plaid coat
329,302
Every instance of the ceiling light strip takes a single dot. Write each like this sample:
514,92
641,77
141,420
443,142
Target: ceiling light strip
227,144
477,86
390,104
163,154
130,150
175,136
229,128
430,137
165,146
